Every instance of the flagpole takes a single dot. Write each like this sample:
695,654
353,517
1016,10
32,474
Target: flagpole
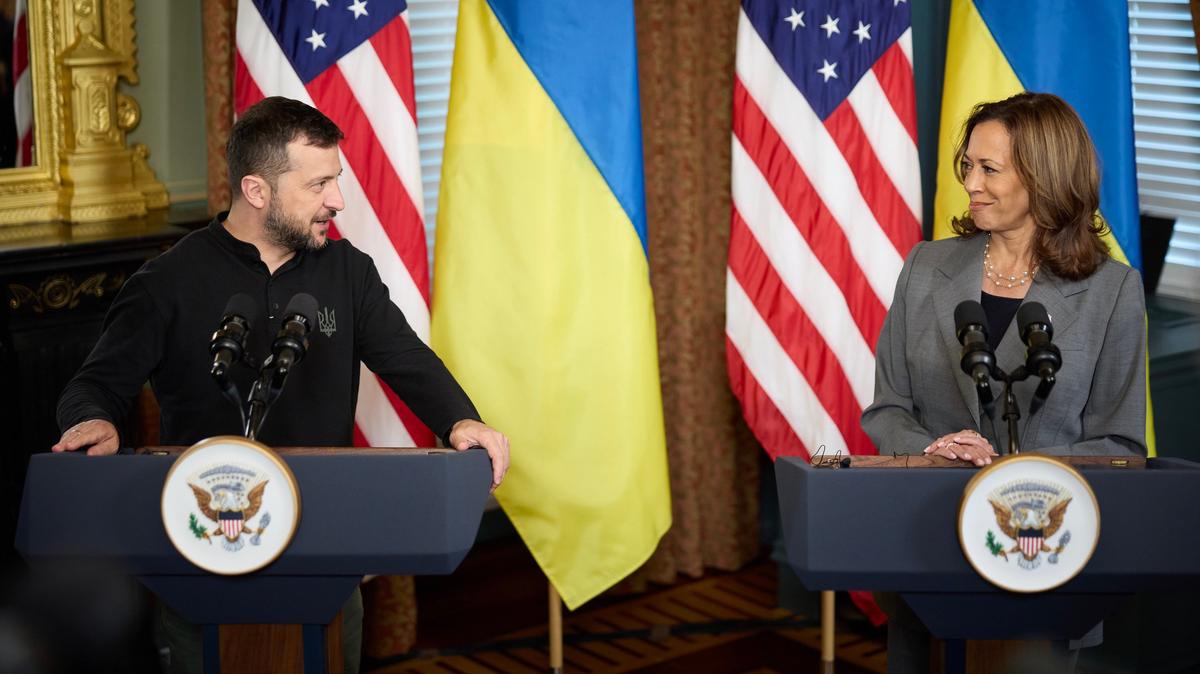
556,634
827,632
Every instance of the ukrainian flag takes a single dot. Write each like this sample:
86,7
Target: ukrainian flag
542,305
1077,49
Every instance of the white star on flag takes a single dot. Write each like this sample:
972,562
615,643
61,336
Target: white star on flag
796,19
830,26
316,39
828,70
863,32
359,7
318,4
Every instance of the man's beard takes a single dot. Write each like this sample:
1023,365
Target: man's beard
294,234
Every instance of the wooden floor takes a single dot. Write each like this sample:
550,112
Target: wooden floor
727,623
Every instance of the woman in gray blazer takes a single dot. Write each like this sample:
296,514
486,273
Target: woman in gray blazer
1031,233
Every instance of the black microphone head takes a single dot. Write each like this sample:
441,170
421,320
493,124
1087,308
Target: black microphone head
305,305
1030,314
968,313
242,305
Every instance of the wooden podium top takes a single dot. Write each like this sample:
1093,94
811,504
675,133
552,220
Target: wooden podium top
923,461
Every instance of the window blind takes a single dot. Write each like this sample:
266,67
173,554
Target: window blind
432,24
1166,110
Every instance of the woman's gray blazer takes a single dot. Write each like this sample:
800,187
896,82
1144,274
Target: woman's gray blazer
1097,406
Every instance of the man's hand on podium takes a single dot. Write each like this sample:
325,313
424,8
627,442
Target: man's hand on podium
469,433
966,444
98,435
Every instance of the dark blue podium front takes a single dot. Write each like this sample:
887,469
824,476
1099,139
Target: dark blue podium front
363,511
895,529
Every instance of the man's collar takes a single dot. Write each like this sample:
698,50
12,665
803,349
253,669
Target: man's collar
244,249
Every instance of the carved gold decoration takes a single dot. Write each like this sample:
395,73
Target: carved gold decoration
129,113
80,51
62,291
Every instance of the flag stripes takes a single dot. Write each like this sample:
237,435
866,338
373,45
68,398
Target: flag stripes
894,72
393,45
22,85
872,178
806,278
787,395
787,317
385,190
815,225
811,144
825,207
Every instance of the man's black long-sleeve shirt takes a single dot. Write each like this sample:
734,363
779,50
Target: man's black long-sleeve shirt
160,325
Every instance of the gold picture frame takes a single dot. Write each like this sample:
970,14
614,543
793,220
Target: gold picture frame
83,171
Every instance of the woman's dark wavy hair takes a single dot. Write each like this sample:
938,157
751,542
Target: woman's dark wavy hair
1056,162
258,141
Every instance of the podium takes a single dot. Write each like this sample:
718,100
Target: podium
894,528
364,511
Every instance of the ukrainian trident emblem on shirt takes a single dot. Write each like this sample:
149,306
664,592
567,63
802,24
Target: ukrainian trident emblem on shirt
1029,513
326,322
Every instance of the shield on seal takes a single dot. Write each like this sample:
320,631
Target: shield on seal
231,523
1030,540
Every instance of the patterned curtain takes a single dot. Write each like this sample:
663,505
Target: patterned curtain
685,56
217,17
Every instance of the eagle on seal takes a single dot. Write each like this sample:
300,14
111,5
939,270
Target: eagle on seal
1029,526
231,511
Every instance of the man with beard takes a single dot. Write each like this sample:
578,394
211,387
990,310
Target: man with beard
272,244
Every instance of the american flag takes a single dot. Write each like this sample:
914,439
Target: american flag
352,60
22,85
826,204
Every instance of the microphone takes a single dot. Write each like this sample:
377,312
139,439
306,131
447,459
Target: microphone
292,341
1041,356
978,361
229,341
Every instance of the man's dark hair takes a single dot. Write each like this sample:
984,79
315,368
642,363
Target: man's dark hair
259,139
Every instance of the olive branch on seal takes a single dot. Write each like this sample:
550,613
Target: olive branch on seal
994,546
197,530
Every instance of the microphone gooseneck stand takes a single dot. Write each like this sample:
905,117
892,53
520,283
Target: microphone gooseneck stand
1012,411
263,393
289,349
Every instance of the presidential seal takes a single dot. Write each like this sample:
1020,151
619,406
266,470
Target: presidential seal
1028,523
230,505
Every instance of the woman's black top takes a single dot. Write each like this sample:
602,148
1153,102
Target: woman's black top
999,312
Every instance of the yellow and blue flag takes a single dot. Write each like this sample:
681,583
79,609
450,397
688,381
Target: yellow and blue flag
542,305
1076,49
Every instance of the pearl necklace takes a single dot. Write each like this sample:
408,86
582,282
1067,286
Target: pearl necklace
999,279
